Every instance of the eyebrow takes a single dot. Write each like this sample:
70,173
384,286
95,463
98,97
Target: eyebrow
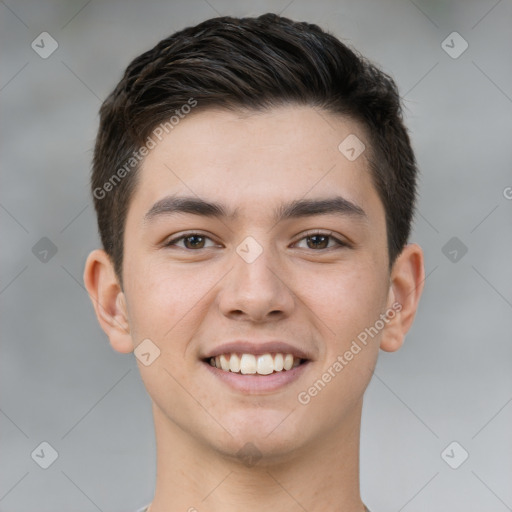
172,205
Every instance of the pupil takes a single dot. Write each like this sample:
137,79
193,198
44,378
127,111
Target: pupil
315,237
196,238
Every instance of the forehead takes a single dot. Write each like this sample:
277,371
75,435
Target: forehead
250,159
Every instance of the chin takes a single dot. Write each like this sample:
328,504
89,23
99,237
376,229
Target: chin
262,436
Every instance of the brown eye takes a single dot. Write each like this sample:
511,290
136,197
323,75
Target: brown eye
191,241
320,241
194,242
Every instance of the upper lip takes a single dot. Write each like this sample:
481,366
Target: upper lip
258,348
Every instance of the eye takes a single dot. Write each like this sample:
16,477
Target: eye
320,240
314,240
191,241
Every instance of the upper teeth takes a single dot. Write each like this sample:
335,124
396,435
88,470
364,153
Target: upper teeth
263,364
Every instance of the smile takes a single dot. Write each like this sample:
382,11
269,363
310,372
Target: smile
250,364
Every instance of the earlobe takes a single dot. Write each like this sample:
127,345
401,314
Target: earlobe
406,287
108,300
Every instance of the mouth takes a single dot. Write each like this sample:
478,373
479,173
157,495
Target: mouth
256,368
253,364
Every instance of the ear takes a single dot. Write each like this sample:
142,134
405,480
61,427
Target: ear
406,285
108,300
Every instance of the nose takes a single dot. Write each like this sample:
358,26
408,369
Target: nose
256,290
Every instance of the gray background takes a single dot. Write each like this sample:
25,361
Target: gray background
452,381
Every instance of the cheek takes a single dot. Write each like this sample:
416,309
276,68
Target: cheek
347,300
348,303
165,300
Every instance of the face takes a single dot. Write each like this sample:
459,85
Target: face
294,262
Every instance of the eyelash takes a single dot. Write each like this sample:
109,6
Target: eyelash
339,242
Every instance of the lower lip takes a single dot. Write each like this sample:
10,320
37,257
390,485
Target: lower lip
256,384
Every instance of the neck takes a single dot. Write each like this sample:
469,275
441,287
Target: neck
194,478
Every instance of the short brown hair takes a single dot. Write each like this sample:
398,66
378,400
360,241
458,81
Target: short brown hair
250,63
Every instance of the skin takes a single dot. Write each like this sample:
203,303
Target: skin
189,300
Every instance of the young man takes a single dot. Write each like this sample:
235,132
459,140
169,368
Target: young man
254,185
